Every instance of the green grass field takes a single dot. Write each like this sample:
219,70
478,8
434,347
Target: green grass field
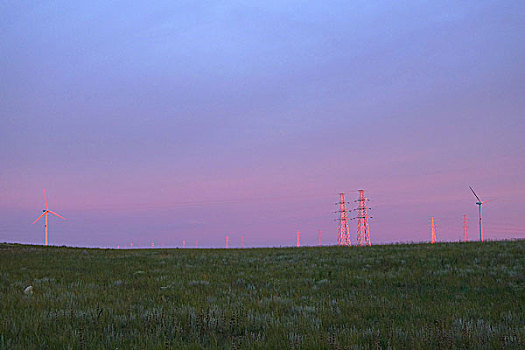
449,295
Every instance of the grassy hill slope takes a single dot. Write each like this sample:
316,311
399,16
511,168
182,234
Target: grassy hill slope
467,295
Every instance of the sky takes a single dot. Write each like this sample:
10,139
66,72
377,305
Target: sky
167,121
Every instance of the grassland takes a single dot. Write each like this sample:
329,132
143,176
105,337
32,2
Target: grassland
449,295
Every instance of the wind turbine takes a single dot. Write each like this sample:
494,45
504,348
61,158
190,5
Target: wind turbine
479,203
45,212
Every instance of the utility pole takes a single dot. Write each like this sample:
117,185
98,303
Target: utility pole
465,227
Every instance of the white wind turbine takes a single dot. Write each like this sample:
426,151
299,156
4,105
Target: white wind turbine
479,203
47,211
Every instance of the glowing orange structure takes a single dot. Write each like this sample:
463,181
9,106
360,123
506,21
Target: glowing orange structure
298,241
227,238
183,243
433,234
47,211
343,237
363,232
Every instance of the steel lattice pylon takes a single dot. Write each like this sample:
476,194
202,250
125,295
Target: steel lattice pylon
343,237
363,233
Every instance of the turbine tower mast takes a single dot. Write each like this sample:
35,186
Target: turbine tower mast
480,223
343,237
298,241
363,232
45,222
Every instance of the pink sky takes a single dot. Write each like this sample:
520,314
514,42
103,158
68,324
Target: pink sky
192,122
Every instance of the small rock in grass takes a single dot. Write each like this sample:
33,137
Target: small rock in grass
28,290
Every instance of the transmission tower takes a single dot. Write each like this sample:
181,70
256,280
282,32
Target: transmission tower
344,233
363,232
433,234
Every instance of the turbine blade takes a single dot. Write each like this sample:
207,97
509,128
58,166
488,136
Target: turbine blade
40,217
45,198
475,194
52,212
